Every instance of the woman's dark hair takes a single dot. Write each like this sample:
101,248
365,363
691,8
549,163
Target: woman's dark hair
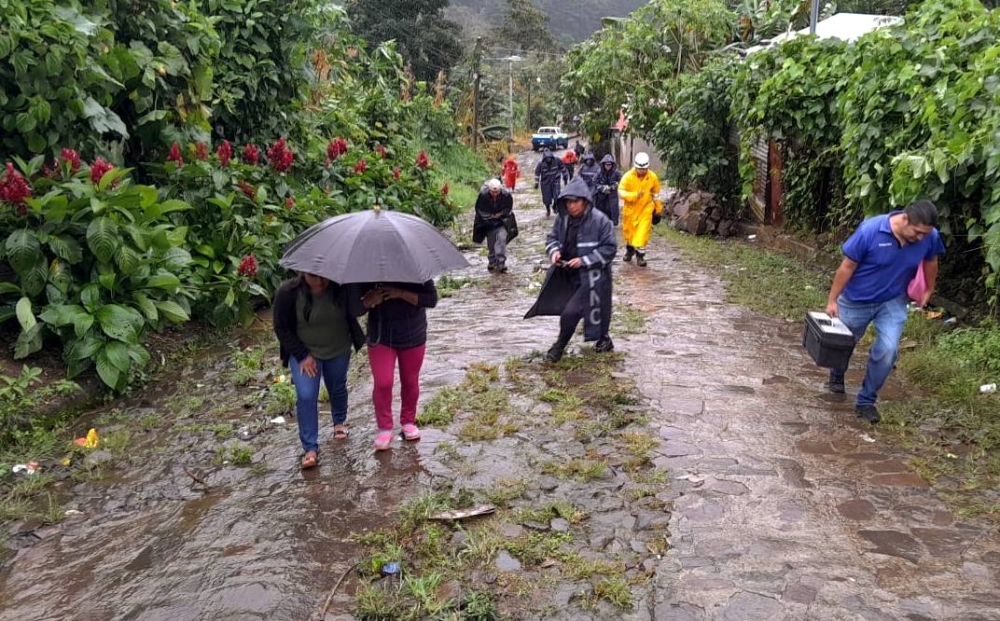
301,285
922,212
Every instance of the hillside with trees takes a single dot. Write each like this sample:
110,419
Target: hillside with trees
571,22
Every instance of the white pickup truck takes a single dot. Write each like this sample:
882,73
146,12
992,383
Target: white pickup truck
549,138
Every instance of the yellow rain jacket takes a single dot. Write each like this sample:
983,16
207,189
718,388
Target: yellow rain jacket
640,201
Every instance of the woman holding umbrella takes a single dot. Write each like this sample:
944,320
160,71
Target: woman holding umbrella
316,329
397,331
393,257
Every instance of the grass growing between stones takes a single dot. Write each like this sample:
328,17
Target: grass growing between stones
545,536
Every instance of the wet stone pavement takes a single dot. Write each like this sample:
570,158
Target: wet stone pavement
778,505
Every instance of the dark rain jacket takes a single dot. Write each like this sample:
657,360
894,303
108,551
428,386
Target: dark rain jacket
596,247
606,189
285,318
486,208
588,170
550,173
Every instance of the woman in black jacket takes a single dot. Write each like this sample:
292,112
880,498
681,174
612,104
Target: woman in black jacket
397,330
316,327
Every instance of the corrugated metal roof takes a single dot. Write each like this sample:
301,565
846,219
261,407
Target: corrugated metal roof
847,27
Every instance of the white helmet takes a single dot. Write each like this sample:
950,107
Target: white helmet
641,160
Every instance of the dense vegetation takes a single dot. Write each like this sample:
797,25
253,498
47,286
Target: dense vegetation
162,155
571,21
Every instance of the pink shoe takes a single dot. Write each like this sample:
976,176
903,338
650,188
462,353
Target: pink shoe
383,441
411,433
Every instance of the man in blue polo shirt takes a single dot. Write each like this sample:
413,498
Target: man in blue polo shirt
880,260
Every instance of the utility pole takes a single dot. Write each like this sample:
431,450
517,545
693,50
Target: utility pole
510,98
813,16
527,113
475,94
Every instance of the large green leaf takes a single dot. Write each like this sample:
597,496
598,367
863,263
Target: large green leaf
108,372
28,342
167,282
9,287
34,279
127,259
23,250
147,307
172,311
176,259
116,353
59,315
102,119
66,248
90,296
103,238
84,347
25,316
119,322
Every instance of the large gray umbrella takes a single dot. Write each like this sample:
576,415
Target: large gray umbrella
373,246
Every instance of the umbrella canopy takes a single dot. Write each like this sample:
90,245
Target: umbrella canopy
373,246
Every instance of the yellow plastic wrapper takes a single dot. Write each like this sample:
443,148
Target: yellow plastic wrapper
91,441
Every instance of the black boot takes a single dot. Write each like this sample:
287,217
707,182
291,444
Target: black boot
836,383
629,251
492,266
640,259
604,344
556,352
502,267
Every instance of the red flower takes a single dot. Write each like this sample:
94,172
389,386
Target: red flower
336,148
360,167
280,156
289,202
247,189
225,153
445,189
380,151
100,168
201,151
422,161
73,158
175,155
14,188
395,173
248,266
251,154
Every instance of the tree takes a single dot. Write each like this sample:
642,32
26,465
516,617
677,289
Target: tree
428,42
525,27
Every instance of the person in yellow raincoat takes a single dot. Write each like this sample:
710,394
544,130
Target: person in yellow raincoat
639,190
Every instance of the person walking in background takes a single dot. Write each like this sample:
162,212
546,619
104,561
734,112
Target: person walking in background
549,175
582,241
606,188
569,159
511,172
493,207
579,149
870,287
639,189
589,170
316,326
397,331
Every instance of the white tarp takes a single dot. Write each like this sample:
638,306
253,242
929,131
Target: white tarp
844,26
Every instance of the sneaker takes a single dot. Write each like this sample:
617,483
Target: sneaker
502,267
555,352
868,413
836,383
640,259
629,251
604,344
411,433
383,441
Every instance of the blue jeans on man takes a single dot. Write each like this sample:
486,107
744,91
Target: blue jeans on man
889,318
333,372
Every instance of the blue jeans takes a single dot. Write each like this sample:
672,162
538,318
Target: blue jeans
334,375
889,318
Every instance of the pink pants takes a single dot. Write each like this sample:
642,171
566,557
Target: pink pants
383,363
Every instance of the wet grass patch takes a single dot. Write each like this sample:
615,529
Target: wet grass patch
577,468
481,400
616,591
760,279
448,286
627,319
